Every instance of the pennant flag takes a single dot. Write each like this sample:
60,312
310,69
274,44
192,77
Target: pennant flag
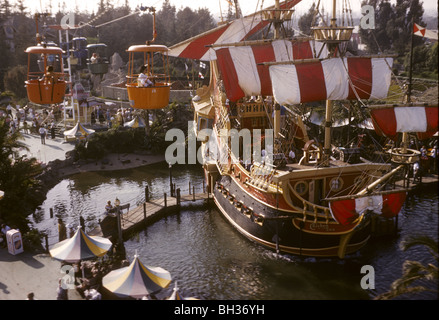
200,75
185,65
422,32
202,65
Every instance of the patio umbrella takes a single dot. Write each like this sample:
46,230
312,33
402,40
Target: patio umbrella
78,131
136,280
80,247
137,122
177,296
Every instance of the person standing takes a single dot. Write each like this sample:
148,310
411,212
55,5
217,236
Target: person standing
433,155
4,229
43,133
52,131
291,156
31,296
9,109
108,207
61,293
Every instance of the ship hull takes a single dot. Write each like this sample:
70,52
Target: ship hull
278,231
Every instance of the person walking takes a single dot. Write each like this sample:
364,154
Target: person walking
43,133
61,293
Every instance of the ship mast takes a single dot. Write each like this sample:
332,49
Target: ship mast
329,106
331,36
277,17
276,120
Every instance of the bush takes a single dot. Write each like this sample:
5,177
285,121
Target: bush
32,240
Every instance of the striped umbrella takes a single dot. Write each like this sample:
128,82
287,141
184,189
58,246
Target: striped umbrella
80,247
137,122
136,280
177,296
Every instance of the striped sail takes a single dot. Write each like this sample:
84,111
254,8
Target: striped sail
234,31
417,118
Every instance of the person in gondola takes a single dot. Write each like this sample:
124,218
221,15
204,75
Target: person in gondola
50,77
95,58
143,78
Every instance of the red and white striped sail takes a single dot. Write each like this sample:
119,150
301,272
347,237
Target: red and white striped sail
391,120
240,66
332,79
231,32
347,211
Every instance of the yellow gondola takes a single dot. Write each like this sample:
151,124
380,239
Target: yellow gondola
46,80
156,94
47,86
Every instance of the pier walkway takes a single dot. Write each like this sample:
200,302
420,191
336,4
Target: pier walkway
147,213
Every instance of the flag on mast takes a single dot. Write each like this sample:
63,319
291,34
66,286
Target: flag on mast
423,32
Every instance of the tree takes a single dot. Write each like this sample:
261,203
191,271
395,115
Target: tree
166,24
17,180
14,81
305,21
393,25
414,272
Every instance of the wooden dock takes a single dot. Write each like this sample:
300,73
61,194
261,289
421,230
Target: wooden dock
152,210
149,212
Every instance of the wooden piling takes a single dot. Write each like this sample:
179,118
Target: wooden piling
147,194
46,237
150,211
51,212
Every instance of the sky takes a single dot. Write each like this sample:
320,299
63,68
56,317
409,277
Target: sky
247,6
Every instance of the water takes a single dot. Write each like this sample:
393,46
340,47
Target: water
210,260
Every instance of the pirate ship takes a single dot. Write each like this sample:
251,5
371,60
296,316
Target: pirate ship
316,205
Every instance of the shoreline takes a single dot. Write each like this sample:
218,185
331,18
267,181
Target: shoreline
35,271
111,162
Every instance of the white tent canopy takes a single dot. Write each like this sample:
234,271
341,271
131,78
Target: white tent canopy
78,131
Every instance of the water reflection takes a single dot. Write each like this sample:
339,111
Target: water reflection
210,260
